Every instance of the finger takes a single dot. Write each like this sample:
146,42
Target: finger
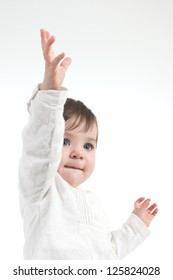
154,213
145,203
138,202
58,58
50,42
48,50
42,31
154,205
66,62
44,39
43,35
47,35
152,208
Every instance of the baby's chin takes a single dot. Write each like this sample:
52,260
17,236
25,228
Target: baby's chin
73,181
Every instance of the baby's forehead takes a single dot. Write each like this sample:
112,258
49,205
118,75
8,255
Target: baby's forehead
81,128
79,124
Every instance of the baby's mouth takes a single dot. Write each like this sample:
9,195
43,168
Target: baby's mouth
73,167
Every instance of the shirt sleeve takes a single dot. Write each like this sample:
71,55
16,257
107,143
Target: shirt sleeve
42,143
129,236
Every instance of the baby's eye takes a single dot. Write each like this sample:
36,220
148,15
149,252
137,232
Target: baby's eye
88,147
66,142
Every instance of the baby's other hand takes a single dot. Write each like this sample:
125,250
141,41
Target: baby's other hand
144,210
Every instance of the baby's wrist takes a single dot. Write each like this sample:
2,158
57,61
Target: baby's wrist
47,85
41,87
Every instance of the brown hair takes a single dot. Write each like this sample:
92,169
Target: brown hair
77,109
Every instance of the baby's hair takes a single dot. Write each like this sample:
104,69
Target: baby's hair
81,114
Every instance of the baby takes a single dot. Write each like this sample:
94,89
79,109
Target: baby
61,220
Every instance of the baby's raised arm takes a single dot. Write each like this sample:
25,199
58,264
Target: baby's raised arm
44,132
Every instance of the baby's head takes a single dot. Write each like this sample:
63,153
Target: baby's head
80,142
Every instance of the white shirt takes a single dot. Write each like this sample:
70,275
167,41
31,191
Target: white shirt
62,222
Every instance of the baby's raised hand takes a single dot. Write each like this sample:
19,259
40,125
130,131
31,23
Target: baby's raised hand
55,66
144,210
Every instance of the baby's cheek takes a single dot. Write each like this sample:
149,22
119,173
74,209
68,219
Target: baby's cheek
91,167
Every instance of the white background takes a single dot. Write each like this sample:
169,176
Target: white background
122,52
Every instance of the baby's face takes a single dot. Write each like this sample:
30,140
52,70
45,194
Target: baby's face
78,154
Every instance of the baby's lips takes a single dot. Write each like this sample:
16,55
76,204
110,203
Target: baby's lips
73,167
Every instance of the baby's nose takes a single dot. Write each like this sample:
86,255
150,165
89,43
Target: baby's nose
76,154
